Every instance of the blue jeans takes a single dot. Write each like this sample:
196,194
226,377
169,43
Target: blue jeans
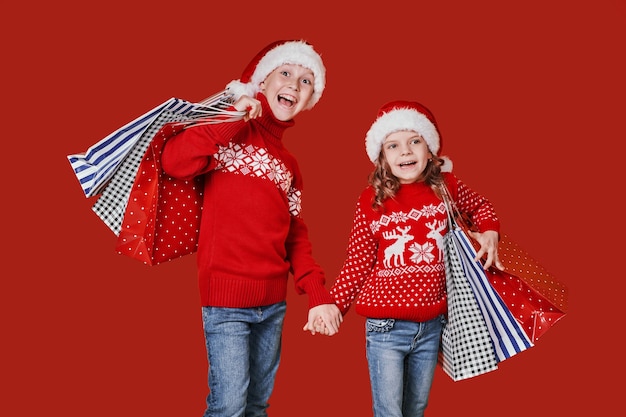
401,357
243,347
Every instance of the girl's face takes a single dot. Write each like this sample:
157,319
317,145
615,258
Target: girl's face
288,90
407,154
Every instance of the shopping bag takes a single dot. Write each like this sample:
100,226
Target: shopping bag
96,166
507,334
162,216
111,205
535,298
466,346
537,301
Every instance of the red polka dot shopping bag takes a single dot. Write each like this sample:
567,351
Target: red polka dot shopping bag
162,215
532,294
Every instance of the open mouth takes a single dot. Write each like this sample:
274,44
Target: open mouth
408,163
286,100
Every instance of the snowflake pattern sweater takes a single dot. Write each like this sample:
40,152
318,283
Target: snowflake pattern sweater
394,265
251,233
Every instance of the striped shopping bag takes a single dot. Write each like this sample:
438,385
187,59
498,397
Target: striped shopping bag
98,164
507,334
466,347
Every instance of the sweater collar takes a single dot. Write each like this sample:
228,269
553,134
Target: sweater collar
269,122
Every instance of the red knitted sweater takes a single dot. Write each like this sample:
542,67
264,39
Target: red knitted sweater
252,235
394,266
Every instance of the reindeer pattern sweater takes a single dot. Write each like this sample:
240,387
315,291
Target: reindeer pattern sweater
252,235
394,266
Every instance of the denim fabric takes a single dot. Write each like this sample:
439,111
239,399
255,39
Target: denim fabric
243,347
402,357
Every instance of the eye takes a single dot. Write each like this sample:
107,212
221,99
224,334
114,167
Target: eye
285,73
307,81
391,146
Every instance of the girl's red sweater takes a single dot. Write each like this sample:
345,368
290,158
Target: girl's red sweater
395,266
252,235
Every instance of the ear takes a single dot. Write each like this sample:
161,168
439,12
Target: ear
262,86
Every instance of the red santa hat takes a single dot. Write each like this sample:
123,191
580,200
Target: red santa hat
273,56
402,115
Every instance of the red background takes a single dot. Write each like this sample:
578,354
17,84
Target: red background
530,100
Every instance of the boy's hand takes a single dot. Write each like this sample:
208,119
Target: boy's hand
324,319
251,106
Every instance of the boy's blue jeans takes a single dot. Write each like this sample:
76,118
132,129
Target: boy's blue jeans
402,357
243,347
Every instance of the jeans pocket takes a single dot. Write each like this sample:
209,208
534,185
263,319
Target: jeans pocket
379,325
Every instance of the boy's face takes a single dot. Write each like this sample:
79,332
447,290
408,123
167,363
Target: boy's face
407,154
288,90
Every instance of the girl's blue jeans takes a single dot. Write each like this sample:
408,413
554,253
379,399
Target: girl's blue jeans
402,357
243,347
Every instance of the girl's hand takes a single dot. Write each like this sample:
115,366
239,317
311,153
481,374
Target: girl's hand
324,319
488,246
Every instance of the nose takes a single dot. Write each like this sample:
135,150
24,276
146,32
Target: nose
405,151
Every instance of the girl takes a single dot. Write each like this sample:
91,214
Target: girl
394,271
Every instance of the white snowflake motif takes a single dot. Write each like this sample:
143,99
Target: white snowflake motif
239,159
398,217
429,211
295,201
225,157
256,162
422,253
260,162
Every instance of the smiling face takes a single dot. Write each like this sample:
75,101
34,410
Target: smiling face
407,154
288,90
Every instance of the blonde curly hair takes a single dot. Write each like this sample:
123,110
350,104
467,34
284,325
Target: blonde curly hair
386,185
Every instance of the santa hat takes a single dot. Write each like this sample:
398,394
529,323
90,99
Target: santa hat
273,56
401,115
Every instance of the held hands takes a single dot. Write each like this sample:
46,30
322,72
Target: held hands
250,105
488,241
324,319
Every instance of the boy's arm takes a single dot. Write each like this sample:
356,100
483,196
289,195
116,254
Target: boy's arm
308,275
190,152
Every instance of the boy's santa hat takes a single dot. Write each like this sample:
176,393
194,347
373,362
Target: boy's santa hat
273,56
402,115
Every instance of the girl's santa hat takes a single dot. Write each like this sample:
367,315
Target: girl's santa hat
402,115
273,56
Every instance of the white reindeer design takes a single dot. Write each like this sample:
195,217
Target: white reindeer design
396,250
435,233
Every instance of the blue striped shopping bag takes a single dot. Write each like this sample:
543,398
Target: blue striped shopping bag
507,334
98,164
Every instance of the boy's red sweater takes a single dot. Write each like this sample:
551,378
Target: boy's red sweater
252,235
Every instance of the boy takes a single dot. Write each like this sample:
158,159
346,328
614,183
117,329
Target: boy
252,235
